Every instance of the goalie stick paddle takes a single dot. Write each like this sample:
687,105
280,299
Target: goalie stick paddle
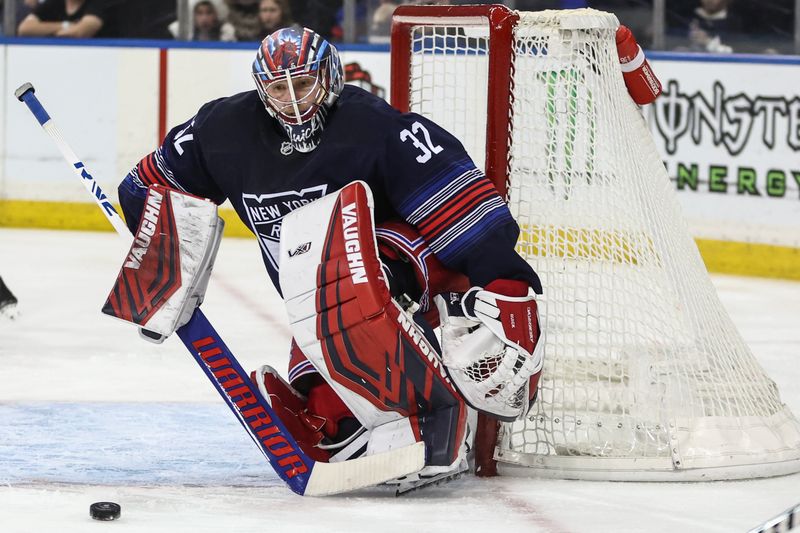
302,474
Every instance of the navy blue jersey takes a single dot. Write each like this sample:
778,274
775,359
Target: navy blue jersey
232,149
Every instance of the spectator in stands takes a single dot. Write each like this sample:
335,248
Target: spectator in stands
142,19
208,22
65,18
361,26
714,28
243,14
274,15
381,25
318,14
23,9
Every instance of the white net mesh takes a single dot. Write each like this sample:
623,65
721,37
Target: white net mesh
644,374
447,57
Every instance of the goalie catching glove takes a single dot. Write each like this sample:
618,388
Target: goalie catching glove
492,347
502,315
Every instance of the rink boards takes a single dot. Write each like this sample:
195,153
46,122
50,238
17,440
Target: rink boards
728,130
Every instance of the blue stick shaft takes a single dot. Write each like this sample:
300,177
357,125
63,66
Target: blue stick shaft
26,94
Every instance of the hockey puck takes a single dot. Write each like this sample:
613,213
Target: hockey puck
105,510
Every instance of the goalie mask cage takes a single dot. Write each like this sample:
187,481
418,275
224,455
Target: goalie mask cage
645,376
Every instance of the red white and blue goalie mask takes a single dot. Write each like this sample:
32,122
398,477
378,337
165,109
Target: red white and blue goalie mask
299,76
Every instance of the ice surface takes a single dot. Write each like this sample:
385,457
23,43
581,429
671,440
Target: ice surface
90,412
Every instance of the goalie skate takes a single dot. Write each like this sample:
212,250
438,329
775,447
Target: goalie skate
420,480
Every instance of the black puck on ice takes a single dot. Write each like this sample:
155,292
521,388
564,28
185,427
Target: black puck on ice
105,510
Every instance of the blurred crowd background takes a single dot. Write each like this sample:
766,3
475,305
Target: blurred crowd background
708,26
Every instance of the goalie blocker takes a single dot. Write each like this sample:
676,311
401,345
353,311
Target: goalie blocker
166,272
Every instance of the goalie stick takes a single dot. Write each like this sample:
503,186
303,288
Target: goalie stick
302,474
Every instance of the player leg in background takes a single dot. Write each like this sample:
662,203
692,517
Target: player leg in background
8,302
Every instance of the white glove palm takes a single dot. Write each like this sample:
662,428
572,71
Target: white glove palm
492,350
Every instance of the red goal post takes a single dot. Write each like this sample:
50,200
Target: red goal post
501,22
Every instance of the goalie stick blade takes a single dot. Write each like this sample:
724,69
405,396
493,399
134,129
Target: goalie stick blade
346,476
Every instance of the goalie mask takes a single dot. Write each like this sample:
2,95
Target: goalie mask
299,77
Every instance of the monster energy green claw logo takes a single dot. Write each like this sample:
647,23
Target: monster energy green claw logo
562,128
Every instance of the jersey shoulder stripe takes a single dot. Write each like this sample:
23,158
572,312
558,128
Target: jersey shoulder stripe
466,200
455,210
148,172
470,229
154,170
439,186
165,169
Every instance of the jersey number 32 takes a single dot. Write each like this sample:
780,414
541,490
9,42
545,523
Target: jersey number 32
428,148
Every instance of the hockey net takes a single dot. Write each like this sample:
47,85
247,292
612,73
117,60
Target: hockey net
645,377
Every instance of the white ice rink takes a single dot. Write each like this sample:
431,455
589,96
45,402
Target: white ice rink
89,412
